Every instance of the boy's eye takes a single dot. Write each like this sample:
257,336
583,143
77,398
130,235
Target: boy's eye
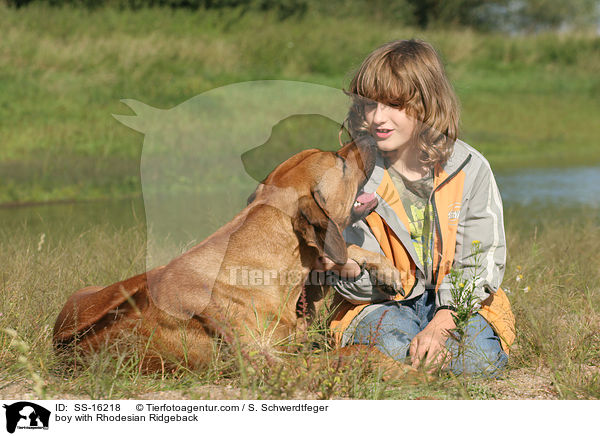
371,105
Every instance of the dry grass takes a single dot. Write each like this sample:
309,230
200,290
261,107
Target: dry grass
552,279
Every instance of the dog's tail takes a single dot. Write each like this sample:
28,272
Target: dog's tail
89,309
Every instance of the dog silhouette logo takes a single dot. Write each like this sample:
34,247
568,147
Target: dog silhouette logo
194,154
26,415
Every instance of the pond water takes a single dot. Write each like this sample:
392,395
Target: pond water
550,188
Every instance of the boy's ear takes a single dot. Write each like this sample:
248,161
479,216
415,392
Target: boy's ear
317,229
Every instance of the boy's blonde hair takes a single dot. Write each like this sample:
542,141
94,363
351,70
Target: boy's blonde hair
409,74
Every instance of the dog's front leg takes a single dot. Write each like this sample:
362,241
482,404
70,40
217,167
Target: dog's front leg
382,270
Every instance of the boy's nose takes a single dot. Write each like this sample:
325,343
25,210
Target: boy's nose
380,113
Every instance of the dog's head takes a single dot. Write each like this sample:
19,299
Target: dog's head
325,186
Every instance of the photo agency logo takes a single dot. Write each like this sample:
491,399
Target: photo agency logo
24,415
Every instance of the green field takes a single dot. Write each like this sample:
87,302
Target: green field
527,100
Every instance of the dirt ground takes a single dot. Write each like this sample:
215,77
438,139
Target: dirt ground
517,384
524,384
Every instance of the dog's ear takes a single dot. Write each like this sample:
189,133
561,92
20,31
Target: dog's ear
318,230
252,197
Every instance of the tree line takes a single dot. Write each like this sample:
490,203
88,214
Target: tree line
483,15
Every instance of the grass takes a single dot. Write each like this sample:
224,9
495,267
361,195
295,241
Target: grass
527,101
552,282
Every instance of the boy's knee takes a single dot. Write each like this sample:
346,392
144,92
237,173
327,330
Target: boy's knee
488,363
389,328
480,353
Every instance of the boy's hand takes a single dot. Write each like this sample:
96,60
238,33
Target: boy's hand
428,347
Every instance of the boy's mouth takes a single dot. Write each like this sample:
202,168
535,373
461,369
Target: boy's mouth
383,133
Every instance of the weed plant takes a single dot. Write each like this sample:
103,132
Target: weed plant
462,291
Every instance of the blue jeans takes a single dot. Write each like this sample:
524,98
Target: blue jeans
392,326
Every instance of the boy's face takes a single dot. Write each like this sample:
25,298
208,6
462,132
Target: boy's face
392,128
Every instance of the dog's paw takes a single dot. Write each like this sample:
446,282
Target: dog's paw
387,278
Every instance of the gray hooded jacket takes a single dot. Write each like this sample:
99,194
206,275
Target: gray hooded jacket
479,216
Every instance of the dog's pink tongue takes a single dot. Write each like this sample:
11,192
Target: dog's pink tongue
364,204
365,197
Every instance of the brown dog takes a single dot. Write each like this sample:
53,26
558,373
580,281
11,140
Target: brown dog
242,281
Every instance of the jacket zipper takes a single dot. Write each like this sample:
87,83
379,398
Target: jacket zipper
437,221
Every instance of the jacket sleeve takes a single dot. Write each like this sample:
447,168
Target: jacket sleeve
480,240
359,290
